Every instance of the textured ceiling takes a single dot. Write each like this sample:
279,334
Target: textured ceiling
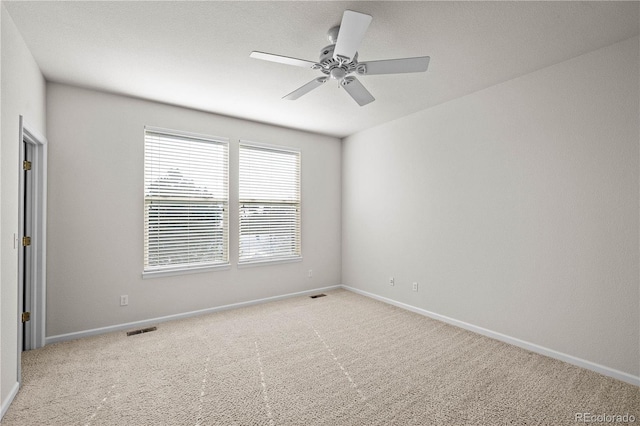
196,54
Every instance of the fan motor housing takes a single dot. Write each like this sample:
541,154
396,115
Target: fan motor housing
328,63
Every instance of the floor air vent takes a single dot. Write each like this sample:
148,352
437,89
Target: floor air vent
142,330
315,296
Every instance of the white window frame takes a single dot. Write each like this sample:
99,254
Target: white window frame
256,261
160,271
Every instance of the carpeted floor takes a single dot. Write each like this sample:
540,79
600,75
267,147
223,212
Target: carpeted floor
342,359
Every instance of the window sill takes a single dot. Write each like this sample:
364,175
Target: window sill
265,262
184,271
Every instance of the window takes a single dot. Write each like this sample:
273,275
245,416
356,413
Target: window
269,203
186,197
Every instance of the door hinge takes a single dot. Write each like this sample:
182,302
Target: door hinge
26,165
26,316
26,241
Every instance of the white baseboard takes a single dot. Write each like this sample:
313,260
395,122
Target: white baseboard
607,371
7,402
145,323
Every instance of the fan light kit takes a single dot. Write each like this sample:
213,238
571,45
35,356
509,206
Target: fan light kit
339,60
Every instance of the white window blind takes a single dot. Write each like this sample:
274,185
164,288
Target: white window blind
269,185
186,197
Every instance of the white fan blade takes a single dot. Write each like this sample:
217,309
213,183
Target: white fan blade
282,59
357,91
313,84
394,66
352,29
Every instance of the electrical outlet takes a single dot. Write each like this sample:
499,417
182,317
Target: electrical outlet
415,286
392,281
124,300
310,274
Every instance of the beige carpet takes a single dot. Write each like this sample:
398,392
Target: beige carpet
338,360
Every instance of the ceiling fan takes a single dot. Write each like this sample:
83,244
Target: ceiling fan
339,60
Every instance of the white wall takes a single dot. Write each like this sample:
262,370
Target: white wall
23,93
95,216
515,208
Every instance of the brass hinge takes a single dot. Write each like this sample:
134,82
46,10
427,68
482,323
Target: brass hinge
26,165
26,316
26,241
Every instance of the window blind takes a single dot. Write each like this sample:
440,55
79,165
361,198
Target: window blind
269,198
186,200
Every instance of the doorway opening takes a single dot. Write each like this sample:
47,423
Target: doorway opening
32,240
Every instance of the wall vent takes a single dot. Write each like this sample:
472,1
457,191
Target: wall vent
142,330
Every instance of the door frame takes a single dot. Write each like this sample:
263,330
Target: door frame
37,323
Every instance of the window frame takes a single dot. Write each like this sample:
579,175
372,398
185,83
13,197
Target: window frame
272,259
183,269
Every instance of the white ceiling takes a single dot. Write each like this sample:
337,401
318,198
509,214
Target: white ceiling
196,54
